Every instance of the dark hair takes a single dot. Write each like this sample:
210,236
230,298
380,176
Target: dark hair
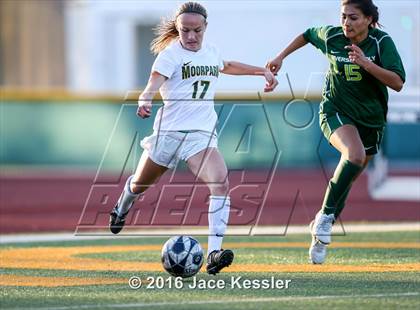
368,9
166,31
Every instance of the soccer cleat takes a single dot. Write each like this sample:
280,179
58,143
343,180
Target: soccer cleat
116,222
321,227
219,259
317,251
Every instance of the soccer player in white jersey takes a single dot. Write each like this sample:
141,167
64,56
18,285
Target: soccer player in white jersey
186,72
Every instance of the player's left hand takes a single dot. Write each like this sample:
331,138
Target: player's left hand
356,55
271,81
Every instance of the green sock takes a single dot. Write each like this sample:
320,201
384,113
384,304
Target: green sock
341,203
339,187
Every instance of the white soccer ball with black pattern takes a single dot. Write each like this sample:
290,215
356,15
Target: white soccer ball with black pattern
182,256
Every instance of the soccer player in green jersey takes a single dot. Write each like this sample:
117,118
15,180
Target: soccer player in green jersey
363,63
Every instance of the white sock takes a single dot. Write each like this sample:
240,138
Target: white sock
127,198
218,219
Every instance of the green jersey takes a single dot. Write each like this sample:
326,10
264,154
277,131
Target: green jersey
349,88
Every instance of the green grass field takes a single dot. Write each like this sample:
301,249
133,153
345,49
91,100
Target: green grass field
363,270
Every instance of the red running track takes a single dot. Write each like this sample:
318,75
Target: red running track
60,202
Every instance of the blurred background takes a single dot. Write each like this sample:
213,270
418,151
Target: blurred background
66,130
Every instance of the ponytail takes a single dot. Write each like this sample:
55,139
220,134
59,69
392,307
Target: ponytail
166,31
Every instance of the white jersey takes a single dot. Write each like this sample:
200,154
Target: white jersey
188,92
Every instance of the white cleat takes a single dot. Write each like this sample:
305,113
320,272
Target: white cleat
317,251
321,227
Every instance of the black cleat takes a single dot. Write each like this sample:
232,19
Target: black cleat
217,260
116,222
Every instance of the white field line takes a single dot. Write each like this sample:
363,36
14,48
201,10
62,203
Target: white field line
233,230
229,301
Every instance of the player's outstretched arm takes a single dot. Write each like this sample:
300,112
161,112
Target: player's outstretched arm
145,99
238,68
274,65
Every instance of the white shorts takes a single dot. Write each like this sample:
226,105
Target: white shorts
166,148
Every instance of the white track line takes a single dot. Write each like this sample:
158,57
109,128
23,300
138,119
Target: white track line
230,301
263,230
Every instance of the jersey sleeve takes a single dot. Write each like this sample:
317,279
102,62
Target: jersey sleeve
165,64
221,63
317,37
390,58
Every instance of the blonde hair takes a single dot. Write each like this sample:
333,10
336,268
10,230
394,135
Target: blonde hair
166,31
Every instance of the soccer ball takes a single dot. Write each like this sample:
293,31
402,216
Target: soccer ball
182,256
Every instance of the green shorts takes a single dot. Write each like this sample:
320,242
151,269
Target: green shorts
371,137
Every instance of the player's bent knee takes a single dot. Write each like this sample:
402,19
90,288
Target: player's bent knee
137,189
225,186
357,157
220,189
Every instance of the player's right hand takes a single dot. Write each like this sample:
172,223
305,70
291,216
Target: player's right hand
144,109
274,65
